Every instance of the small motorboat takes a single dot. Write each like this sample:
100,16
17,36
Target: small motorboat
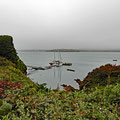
114,59
71,70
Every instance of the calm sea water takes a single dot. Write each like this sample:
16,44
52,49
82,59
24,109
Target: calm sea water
82,63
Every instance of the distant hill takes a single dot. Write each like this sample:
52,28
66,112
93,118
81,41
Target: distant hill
70,50
64,50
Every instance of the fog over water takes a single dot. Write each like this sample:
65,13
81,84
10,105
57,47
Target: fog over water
51,24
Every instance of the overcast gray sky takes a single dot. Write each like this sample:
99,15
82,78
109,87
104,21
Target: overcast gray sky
50,24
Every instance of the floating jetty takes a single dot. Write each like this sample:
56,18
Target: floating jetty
39,68
49,67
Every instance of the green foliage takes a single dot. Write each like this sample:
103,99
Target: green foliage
102,76
8,51
1,102
21,65
5,108
24,100
5,62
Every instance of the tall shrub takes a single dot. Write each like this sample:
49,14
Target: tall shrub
8,51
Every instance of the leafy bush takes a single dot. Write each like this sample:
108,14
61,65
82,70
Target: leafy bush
5,108
102,76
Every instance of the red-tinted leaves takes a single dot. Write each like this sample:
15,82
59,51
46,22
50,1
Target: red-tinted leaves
5,85
68,88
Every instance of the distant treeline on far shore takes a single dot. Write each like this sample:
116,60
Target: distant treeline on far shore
69,50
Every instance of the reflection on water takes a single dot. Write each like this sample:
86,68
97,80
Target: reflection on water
58,75
82,63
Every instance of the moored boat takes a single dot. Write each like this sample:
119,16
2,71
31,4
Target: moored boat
56,63
114,59
71,70
67,64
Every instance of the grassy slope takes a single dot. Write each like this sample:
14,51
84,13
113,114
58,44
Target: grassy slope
21,99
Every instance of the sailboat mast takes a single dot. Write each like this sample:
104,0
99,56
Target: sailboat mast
54,56
60,56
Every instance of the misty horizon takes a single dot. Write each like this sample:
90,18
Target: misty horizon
72,49
64,24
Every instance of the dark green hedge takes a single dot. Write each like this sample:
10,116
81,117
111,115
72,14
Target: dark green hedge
8,51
